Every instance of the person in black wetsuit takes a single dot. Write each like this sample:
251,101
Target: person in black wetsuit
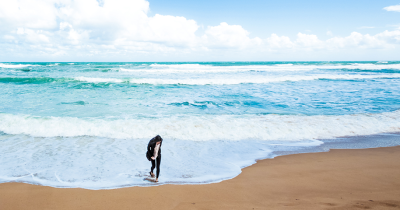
154,154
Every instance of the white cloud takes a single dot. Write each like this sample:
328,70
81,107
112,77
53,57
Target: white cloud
309,41
279,42
27,14
229,36
32,36
87,21
118,28
354,40
170,29
394,8
390,37
386,39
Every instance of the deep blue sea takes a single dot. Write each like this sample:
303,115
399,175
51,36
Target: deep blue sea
87,124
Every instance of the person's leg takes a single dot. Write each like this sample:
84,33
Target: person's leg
158,166
153,165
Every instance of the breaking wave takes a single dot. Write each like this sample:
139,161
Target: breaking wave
203,128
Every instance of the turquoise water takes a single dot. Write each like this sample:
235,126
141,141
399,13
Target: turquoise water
87,124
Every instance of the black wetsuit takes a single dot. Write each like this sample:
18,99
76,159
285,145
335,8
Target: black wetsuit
153,164
157,161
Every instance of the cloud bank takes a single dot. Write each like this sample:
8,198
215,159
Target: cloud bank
394,8
55,29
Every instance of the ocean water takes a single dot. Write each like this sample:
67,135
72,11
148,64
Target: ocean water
87,125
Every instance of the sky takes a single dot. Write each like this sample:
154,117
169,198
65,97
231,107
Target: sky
218,30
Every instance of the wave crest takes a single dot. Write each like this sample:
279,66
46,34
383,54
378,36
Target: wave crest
204,128
199,81
12,66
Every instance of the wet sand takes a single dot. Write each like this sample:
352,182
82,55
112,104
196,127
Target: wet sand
339,179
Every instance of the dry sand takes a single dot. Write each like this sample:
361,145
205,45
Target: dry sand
339,179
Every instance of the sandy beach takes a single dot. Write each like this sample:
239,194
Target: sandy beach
339,179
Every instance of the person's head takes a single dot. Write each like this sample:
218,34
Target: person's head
158,139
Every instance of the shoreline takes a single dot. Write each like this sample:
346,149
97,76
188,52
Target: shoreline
338,179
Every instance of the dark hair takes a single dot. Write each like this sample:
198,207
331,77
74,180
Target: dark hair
156,139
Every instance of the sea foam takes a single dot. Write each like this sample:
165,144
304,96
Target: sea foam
104,163
198,68
10,66
202,81
236,80
205,128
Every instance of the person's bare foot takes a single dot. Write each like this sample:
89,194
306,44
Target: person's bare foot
156,180
152,175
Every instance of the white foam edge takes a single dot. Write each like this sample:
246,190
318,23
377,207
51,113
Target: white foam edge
235,81
204,128
11,66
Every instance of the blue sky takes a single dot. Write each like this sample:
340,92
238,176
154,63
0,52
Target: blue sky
262,18
177,30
